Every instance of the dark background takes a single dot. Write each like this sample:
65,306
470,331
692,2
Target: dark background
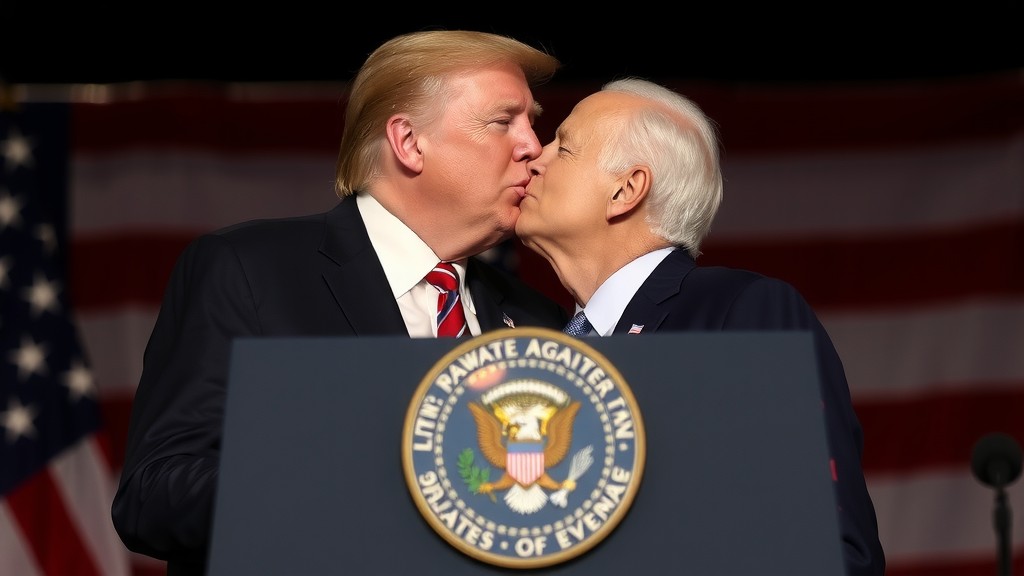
733,42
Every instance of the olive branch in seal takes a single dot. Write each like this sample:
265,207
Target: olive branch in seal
472,475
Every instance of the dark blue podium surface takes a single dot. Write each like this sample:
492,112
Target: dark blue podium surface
736,479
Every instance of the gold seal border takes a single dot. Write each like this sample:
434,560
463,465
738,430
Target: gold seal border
621,386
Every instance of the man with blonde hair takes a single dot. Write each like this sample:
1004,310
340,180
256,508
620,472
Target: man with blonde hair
432,168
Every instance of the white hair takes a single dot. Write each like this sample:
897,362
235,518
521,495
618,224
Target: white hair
679,143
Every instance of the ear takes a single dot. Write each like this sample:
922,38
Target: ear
633,187
402,138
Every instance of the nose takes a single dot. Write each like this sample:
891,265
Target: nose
530,147
535,167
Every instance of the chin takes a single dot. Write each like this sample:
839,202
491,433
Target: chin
521,230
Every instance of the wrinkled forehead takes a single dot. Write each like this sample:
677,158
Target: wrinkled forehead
498,86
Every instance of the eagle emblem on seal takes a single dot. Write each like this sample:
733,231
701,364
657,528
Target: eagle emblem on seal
524,427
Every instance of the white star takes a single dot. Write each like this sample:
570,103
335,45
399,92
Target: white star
17,149
5,268
48,237
79,381
10,210
42,296
18,420
30,358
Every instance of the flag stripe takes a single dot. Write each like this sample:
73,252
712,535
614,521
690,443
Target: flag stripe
892,354
966,565
957,185
831,274
17,557
242,118
198,119
845,273
921,425
50,532
885,354
901,191
938,514
191,192
80,474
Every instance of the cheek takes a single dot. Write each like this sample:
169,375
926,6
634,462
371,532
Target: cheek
566,191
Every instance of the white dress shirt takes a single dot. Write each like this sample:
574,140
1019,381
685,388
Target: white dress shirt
407,260
609,301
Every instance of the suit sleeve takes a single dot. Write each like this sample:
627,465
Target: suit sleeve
164,503
771,304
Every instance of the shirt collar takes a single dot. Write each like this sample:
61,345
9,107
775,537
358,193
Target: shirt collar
405,257
611,298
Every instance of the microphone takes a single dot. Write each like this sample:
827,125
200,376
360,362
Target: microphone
996,462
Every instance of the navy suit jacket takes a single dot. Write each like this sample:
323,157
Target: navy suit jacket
680,296
315,275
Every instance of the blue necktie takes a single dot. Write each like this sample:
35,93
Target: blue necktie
578,326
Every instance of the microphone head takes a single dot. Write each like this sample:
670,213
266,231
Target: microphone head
996,460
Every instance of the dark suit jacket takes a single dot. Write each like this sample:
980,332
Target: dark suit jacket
679,295
310,276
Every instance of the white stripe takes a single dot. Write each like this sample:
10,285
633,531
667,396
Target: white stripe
942,514
824,194
889,353
194,191
893,353
115,341
857,193
87,487
15,557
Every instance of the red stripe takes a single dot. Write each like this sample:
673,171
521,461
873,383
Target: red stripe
781,118
884,115
937,430
116,411
206,119
118,270
962,565
887,270
38,508
838,117
866,272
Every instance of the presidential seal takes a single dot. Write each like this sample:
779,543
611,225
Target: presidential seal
523,447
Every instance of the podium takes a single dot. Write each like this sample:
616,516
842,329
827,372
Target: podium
736,478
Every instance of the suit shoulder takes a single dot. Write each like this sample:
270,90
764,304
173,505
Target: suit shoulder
256,240
720,276
271,227
724,280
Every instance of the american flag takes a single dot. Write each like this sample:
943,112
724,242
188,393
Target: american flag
55,475
896,208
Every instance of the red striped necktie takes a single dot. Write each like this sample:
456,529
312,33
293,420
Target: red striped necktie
451,320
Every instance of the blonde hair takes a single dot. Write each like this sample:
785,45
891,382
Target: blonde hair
409,74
